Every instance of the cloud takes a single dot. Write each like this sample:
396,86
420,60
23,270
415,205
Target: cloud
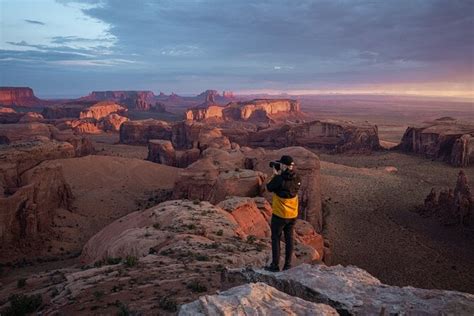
272,44
35,22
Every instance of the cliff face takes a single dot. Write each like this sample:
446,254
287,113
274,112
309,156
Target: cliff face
256,110
447,140
18,96
64,111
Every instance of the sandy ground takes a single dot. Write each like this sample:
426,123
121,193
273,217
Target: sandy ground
371,221
104,189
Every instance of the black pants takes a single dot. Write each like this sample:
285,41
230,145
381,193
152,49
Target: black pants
279,225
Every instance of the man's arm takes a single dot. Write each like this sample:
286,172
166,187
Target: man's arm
275,183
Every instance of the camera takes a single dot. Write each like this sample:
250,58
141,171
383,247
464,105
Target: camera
275,164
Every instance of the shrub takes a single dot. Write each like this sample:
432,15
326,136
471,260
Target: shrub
196,286
220,232
168,304
131,261
98,294
201,257
251,239
23,304
21,283
156,226
112,261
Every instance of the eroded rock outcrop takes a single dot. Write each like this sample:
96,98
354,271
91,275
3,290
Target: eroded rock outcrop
101,110
63,111
140,132
331,135
29,211
16,133
353,291
453,207
203,180
258,110
448,140
253,299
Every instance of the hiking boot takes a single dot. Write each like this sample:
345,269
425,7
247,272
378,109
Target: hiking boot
272,268
286,267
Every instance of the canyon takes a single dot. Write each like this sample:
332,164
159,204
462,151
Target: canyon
104,213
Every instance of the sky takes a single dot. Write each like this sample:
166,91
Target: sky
71,47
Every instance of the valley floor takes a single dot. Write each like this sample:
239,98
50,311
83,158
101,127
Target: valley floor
371,223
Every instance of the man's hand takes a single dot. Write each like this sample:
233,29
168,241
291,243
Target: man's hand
276,172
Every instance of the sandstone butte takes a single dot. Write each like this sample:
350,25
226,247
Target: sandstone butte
444,139
19,96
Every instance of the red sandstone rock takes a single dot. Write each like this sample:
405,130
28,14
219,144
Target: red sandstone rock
257,110
18,96
332,135
447,139
252,219
140,132
6,110
453,206
31,117
101,110
29,211
112,122
162,151
63,111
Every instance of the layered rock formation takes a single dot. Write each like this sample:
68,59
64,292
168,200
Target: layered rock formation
18,96
254,299
353,291
258,110
29,211
15,133
102,116
331,135
444,139
63,111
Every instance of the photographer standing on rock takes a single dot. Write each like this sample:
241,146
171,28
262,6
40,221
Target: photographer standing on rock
284,185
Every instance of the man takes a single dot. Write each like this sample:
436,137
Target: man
284,185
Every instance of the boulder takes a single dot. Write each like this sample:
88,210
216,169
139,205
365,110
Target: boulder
353,291
253,299
252,218
448,140
203,180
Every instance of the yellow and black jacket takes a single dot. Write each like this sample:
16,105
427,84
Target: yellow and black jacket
285,194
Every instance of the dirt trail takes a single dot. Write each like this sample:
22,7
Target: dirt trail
371,223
